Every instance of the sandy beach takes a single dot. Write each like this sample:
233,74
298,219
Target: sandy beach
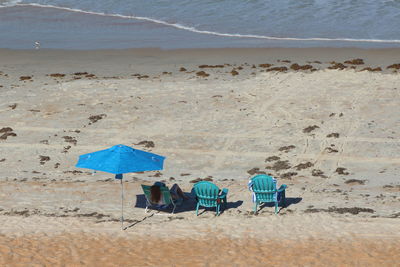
323,121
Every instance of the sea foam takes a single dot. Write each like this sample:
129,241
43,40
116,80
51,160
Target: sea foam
16,3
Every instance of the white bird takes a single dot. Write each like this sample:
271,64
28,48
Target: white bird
37,45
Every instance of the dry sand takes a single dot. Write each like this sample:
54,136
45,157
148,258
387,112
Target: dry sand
331,135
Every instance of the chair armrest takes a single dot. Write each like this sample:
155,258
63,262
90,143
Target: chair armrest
282,188
224,192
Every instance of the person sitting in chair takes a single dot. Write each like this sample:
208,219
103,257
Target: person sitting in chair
156,197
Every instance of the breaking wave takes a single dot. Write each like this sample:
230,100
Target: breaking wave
16,3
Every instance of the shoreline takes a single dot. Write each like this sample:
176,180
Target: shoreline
153,61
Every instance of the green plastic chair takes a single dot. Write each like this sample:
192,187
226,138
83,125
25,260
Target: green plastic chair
165,194
264,189
209,195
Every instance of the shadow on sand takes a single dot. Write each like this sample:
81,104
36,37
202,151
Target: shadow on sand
289,201
187,205
229,205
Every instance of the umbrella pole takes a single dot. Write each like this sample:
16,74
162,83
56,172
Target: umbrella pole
122,205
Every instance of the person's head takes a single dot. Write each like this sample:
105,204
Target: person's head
155,193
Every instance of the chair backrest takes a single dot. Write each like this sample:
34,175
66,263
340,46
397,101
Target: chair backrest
165,194
264,187
206,193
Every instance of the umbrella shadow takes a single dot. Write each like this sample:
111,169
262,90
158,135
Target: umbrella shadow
186,205
137,221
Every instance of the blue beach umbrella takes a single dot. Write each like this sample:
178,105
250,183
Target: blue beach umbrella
121,159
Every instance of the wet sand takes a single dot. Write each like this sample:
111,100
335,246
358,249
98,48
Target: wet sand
89,250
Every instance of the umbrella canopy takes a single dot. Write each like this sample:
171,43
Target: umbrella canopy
121,159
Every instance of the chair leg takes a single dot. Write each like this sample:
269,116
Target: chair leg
276,207
173,209
283,199
197,209
218,205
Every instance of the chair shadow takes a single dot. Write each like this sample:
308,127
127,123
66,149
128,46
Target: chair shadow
289,201
292,201
229,205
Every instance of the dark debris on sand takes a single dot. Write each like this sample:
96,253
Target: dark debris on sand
76,172
65,213
278,69
266,65
57,75
394,66
310,128
356,61
6,132
288,175
140,76
341,171
66,148
13,106
296,67
43,159
146,144
336,65
394,215
354,182
211,66
335,135
372,69
95,118
25,78
44,142
272,158
318,173
255,170
234,72
286,149
156,174
80,73
354,210
70,139
331,150
202,74
303,166
279,165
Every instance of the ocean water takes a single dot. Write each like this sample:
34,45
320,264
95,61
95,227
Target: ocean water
168,24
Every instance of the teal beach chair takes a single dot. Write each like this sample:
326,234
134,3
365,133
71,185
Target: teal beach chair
209,195
165,194
264,190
